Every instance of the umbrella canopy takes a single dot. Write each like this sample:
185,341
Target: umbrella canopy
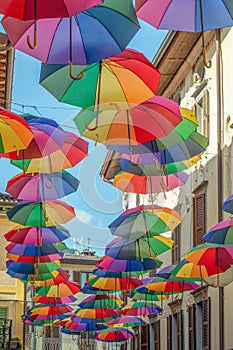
57,276
44,214
50,310
170,286
87,37
210,254
31,269
98,304
118,274
38,250
126,321
140,248
150,120
15,133
114,283
35,259
149,152
140,308
42,187
145,220
191,16
71,153
54,300
105,298
192,272
127,79
65,289
49,318
48,138
127,182
101,313
87,289
221,279
135,295
113,335
24,9
228,205
83,327
37,235
110,264
222,233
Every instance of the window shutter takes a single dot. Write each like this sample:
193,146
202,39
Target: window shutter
191,327
156,328
206,335
180,330
206,115
169,329
145,337
198,219
77,277
3,312
176,245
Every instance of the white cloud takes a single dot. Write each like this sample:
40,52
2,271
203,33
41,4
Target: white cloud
83,216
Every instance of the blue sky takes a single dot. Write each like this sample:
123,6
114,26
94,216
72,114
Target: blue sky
96,203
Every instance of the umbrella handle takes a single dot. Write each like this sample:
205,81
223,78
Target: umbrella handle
209,63
50,186
131,159
72,75
106,180
32,46
95,127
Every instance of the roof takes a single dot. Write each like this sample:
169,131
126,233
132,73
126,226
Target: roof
7,200
80,259
6,71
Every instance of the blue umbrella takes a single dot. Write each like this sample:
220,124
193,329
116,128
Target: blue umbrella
228,205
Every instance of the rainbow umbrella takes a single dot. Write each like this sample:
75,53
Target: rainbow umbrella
163,285
54,318
15,133
86,37
45,186
140,248
150,120
54,300
145,220
50,213
111,264
114,283
221,279
36,235
31,269
127,182
211,255
126,321
140,308
87,289
57,276
132,78
98,304
136,295
90,320
113,335
105,298
189,272
117,274
228,205
71,153
222,233
35,250
48,138
101,313
63,289
83,327
47,310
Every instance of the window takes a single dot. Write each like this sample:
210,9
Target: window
156,329
203,113
169,335
175,331
145,338
77,277
198,219
81,277
176,246
191,327
206,335
201,321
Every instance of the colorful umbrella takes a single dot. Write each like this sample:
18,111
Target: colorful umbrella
117,274
37,235
191,16
101,313
48,138
54,300
126,321
51,317
98,304
228,205
210,254
163,285
34,259
35,250
127,79
42,187
110,264
71,153
114,283
87,37
140,248
105,298
191,272
83,327
140,308
15,133
87,289
31,269
90,320
146,221
44,214
150,120
50,310
222,233
221,279
57,276
113,335
65,289
135,295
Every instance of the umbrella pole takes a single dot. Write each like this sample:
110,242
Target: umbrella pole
33,46
71,56
129,138
207,64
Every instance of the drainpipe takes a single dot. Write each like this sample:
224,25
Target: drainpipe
220,171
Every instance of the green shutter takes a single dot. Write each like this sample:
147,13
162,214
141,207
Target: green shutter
3,312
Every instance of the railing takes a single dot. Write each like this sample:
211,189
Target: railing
5,333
